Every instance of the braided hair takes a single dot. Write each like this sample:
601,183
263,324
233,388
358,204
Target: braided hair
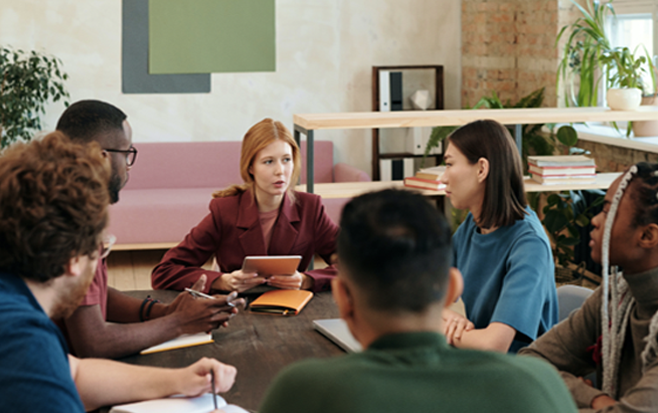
617,301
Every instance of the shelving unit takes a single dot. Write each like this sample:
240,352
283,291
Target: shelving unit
438,104
307,124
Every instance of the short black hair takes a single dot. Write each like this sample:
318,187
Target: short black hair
396,247
85,120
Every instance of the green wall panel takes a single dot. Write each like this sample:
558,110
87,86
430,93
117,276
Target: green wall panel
209,36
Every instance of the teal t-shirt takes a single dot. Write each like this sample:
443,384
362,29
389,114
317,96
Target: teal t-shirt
509,277
35,375
419,372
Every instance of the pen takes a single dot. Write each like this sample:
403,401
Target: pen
229,298
199,294
212,382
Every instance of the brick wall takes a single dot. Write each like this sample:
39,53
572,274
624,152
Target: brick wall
508,47
614,158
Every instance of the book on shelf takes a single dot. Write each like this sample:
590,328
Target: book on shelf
420,183
564,180
434,173
561,161
561,171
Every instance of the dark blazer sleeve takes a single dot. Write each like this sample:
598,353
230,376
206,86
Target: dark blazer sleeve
181,266
326,232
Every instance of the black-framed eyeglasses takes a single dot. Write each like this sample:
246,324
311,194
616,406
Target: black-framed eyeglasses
131,154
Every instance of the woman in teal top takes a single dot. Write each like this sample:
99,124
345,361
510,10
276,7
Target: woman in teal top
501,248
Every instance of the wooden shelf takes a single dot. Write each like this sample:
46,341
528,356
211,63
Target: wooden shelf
307,123
402,155
410,119
352,189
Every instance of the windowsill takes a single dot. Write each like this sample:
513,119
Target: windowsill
609,136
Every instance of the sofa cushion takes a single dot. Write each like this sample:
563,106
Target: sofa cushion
162,215
207,164
171,185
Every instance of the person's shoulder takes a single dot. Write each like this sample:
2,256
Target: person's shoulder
226,203
303,385
529,375
519,382
304,198
311,367
29,332
529,228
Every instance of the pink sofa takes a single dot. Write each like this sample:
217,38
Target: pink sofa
171,184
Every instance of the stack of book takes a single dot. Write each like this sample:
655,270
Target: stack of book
570,169
427,178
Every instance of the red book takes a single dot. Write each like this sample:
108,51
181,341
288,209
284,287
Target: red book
421,183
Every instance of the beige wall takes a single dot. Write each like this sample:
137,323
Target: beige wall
325,50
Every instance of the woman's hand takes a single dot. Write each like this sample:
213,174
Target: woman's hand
294,281
237,281
195,379
454,325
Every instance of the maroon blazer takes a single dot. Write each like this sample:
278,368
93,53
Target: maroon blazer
232,231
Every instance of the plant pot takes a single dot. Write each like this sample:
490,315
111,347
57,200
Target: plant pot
624,99
647,127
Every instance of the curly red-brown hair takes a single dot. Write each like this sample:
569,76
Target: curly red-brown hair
53,205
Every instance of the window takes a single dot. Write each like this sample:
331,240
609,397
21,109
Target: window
636,25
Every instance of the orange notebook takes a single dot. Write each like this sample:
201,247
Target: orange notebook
281,302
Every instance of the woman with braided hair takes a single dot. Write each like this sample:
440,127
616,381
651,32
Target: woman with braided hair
614,332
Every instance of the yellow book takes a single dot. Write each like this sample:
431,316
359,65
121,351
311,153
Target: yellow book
281,302
186,340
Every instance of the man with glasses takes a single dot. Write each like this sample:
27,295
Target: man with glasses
134,324
53,214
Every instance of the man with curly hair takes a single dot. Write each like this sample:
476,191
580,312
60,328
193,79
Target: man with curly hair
53,213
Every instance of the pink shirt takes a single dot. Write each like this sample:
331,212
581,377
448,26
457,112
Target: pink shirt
97,293
267,220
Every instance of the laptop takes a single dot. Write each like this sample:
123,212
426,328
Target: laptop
337,331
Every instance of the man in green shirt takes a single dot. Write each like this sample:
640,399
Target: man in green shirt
394,255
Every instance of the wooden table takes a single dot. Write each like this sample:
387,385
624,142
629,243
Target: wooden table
307,123
352,189
258,345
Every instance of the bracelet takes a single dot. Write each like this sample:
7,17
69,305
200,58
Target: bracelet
148,309
141,307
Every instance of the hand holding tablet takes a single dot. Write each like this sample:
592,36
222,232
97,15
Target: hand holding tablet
278,271
267,266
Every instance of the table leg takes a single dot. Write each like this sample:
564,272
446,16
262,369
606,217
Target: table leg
309,162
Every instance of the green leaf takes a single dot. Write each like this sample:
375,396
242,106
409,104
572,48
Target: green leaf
555,221
567,135
582,220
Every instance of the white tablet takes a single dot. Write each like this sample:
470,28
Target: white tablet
271,264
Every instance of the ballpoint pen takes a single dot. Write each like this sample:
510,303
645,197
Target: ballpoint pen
214,393
229,298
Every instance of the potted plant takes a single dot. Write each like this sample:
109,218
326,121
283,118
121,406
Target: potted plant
29,81
566,217
589,56
624,79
